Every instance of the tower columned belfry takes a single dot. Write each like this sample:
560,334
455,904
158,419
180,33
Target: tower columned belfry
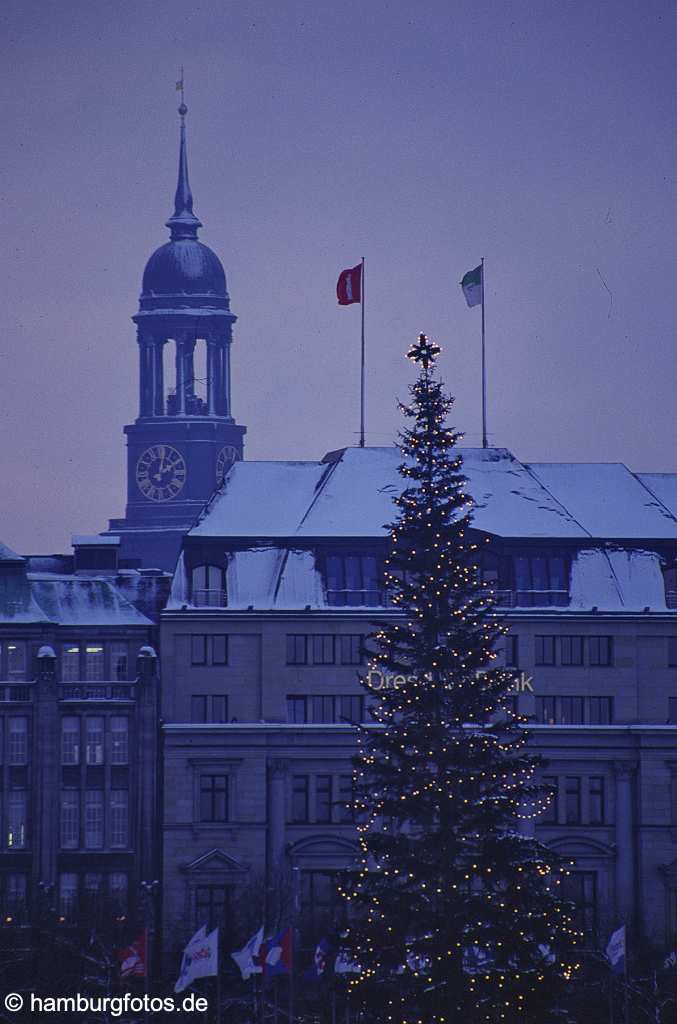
185,437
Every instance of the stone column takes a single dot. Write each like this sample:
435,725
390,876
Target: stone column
145,375
276,815
625,845
180,376
226,377
158,378
211,376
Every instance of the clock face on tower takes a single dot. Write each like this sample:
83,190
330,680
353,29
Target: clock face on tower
160,472
224,460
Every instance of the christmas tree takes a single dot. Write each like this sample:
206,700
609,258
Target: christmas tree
455,911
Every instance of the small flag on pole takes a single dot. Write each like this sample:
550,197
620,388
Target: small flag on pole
349,286
277,953
615,950
133,958
247,958
200,958
472,286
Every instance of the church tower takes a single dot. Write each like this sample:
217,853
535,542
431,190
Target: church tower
185,437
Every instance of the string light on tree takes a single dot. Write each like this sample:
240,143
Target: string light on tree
457,912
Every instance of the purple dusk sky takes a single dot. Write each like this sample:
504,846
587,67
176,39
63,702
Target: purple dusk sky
540,135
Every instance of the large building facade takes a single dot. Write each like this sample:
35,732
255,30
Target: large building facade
261,694
79,704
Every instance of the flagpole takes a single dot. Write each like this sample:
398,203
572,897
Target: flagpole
484,371
362,359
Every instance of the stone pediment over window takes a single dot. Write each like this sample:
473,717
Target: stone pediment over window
323,850
215,861
581,847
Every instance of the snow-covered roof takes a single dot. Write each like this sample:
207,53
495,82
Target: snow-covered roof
83,601
268,514
350,494
7,555
65,600
608,500
663,486
261,499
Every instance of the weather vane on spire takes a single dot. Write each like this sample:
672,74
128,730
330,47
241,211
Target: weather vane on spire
183,109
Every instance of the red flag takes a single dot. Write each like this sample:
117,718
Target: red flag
349,286
133,958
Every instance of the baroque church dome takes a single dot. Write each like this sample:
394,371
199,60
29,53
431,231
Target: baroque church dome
183,273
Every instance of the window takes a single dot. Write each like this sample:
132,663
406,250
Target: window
119,662
70,663
350,646
344,808
17,740
321,910
119,739
15,896
208,587
574,710
672,651
323,798
550,815
198,649
510,647
354,580
350,709
68,895
541,580
211,905
322,709
670,580
219,649
16,659
323,649
17,808
70,740
208,649
94,739
93,890
94,663
70,819
545,650
297,649
581,888
119,818
571,650
118,885
208,708
599,650
600,710
570,711
300,799
672,710
93,819
572,800
296,710
596,800
546,710
213,798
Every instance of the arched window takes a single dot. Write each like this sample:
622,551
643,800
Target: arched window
208,587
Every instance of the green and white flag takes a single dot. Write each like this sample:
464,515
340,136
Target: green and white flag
472,286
